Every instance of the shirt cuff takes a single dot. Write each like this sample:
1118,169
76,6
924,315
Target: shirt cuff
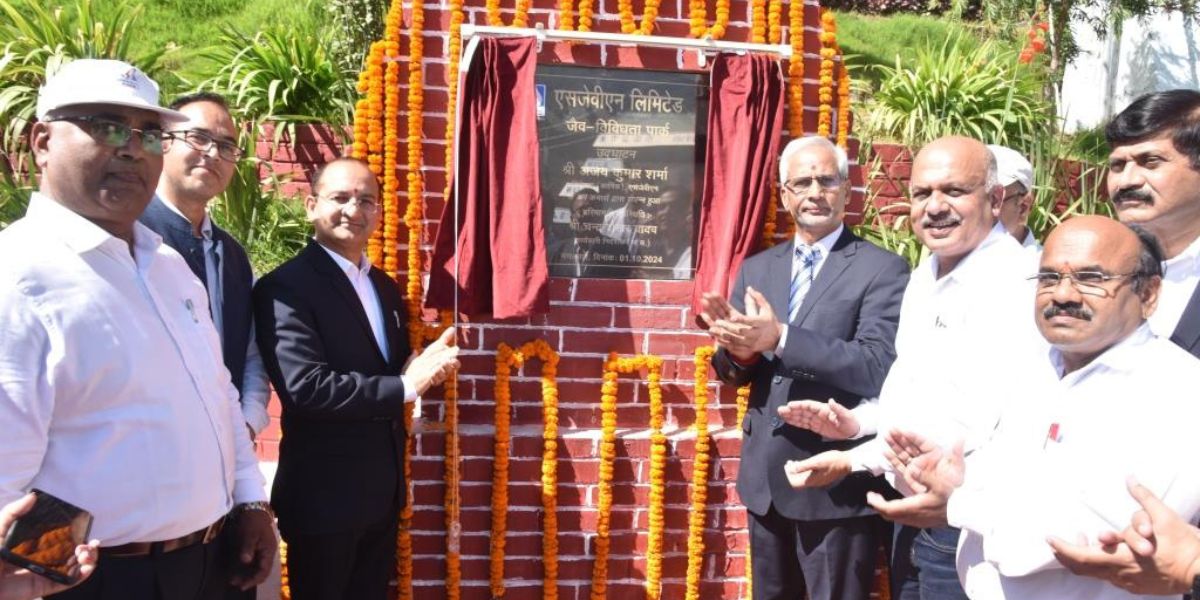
256,416
868,457
782,341
867,415
250,488
410,390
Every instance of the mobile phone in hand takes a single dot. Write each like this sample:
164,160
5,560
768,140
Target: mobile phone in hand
44,539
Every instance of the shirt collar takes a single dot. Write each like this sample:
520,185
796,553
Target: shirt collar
825,244
963,270
82,235
206,228
1188,259
350,269
1121,356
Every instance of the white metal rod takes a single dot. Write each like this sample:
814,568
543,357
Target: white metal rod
469,31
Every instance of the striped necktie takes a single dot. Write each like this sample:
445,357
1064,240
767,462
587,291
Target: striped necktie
803,270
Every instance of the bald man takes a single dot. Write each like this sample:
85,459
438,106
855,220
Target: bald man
958,321
1056,467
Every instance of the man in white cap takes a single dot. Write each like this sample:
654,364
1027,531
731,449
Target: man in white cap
113,394
1016,175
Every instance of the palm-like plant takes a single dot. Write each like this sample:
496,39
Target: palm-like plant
960,89
284,76
38,39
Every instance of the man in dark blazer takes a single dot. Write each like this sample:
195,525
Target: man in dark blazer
332,332
837,298
1154,181
198,164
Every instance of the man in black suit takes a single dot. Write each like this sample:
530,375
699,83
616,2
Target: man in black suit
838,301
332,332
1154,181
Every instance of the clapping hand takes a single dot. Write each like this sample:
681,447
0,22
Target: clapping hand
438,361
931,473
822,470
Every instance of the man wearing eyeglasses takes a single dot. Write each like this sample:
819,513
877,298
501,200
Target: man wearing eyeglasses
332,330
1016,175
958,321
200,158
1057,465
113,395
837,298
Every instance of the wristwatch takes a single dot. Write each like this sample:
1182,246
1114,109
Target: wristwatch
262,506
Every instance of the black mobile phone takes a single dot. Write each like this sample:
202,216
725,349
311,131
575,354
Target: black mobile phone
43,540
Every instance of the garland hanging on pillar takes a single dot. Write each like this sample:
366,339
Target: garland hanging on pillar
825,82
698,15
796,69
649,15
700,464
520,18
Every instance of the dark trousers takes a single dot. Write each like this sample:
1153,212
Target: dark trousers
923,566
197,572
827,560
343,565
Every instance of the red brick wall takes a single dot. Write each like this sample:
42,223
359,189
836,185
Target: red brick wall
588,318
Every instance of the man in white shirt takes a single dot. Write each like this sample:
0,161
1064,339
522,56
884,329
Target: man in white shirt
1016,175
199,162
1051,469
332,330
958,322
1154,181
113,395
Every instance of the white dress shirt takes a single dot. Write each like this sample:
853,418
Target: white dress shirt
957,346
113,394
1030,243
1179,282
360,279
1058,462
256,390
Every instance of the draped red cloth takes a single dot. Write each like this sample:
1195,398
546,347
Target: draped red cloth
745,121
500,246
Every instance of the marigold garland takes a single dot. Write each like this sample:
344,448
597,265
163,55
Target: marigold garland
586,14
391,147
503,410
658,461
700,466
796,69
758,21
520,19
649,15
453,476
608,451
414,211
566,15
743,404
825,81
774,21
698,15
843,107
768,233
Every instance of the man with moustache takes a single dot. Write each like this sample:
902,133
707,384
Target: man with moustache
833,340
1051,471
958,321
1154,181
1016,175
113,395
200,159
332,332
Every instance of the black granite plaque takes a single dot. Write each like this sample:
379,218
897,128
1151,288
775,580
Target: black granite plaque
621,161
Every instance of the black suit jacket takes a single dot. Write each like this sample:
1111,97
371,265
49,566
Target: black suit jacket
840,346
1187,331
343,438
237,279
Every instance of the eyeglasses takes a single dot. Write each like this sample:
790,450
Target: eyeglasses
1086,282
116,134
799,185
203,142
367,204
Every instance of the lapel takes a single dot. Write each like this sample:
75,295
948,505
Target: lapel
323,264
394,317
1187,332
177,233
837,261
778,278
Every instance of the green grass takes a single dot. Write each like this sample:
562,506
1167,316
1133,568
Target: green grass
192,25
870,40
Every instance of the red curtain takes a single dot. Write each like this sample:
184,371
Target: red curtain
500,245
745,121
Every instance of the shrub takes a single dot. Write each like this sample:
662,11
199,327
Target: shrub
282,75
957,89
359,23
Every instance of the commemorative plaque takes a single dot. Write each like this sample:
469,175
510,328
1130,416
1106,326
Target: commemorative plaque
621,161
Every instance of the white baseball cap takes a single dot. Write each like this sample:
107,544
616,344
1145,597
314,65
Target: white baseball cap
1012,167
97,81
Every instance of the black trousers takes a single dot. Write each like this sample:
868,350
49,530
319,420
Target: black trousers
198,572
340,566
827,560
